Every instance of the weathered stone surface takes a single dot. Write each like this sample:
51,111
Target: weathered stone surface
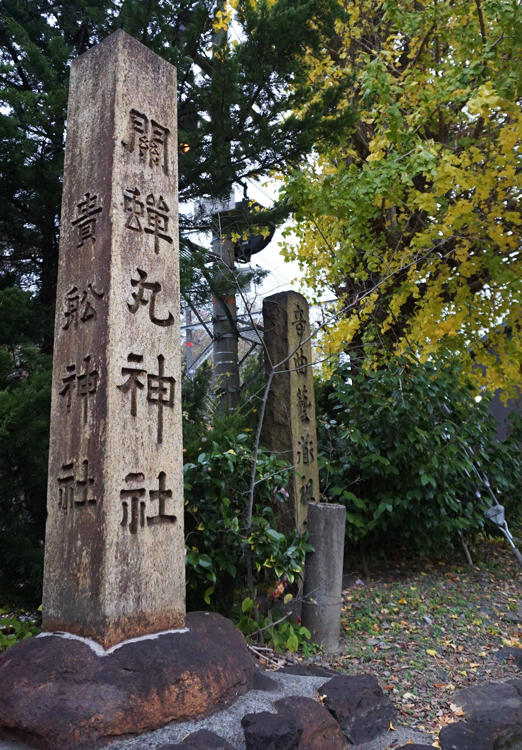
359,706
510,652
415,747
58,694
493,711
114,549
201,740
289,426
479,699
263,682
266,731
516,684
320,730
462,736
323,581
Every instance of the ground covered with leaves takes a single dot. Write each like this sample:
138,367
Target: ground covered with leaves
425,629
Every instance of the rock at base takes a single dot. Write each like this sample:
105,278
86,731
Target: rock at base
308,670
266,731
320,730
359,706
507,652
56,693
201,740
461,736
493,714
263,682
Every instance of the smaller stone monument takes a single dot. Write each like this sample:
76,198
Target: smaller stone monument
290,432
289,429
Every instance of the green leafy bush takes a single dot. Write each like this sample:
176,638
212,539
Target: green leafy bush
225,556
17,626
403,448
220,548
276,629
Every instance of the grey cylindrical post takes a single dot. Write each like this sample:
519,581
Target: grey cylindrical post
323,580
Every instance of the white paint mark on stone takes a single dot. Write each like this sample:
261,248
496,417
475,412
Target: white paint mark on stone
98,648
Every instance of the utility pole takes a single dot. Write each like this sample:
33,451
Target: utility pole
189,343
224,314
224,318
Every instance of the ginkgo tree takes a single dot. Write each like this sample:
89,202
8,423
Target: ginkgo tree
410,215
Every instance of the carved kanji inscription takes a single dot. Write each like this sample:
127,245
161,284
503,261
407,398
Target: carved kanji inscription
160,387
306,492
305,450
142,300
149,140
303,404
79,307
299,321
86,214
81,384
75,486
134,504
151,217
300,361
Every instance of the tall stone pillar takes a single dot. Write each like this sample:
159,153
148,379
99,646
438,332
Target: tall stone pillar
289,428
114,551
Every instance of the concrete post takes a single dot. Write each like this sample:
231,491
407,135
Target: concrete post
323,581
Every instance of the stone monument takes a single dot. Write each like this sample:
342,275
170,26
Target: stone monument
289,428
129,660
114,552
290,432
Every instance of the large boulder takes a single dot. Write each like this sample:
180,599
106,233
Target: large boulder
200,740
359,706
510,652
267,731
320,730
493,714
58,694
462,736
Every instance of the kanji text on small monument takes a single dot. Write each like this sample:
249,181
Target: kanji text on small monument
289,427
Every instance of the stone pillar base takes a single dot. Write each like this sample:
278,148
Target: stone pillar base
57,693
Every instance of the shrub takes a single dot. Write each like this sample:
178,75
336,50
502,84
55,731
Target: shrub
225,558
406,448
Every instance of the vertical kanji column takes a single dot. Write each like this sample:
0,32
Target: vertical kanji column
114,550
289,428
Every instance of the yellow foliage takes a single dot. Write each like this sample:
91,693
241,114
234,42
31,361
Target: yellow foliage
411,216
